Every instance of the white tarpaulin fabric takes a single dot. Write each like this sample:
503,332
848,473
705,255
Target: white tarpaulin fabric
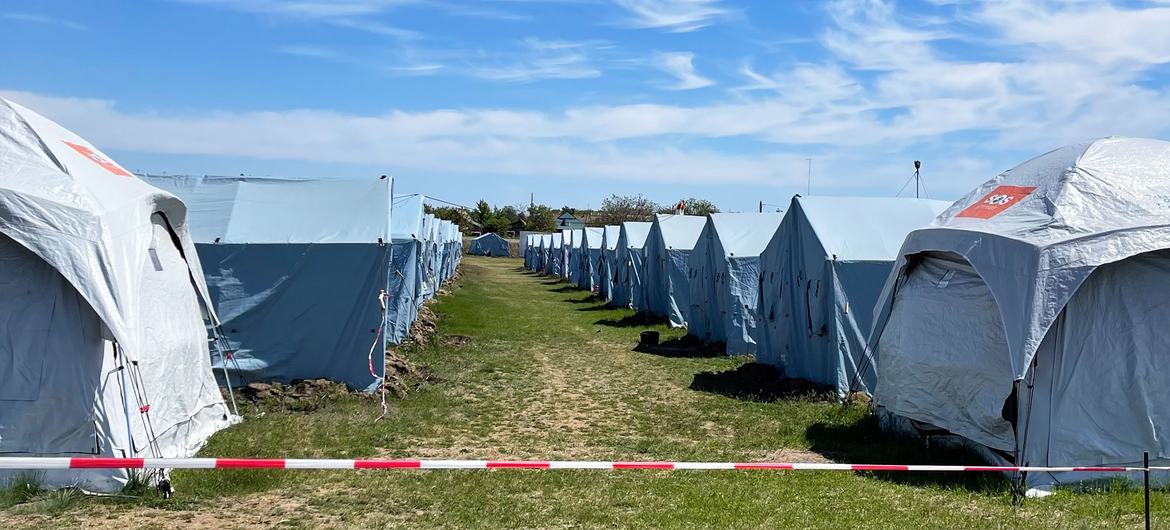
629,257
1049,277
725,279
102,306
666,282
822,274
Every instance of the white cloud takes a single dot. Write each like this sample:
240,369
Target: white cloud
674,15
41,19
681,65
541,59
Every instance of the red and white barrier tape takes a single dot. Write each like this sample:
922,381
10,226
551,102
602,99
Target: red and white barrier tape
29,463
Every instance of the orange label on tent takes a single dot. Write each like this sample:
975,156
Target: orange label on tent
997,201
100,160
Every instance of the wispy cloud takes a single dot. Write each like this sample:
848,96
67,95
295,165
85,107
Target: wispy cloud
541,59
315,52
681,65
41,19
361,15
673,15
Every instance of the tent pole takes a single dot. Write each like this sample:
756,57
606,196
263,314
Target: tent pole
1146,484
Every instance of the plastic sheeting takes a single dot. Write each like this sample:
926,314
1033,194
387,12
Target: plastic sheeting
725,279
630,257
489,245
666,280
101,294
607,264
295,268
571,248
590,249
1058,267
823,272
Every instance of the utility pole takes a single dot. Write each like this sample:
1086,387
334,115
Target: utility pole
809,176
761,206
917,167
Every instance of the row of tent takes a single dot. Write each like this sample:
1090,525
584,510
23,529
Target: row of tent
121,293
1026,320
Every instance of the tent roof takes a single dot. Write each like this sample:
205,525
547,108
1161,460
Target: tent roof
406,220
636,232
865,228
680,231
282,210
489,235
610,239
592,237
744,234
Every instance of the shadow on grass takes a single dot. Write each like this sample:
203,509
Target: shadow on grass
636,320
599,307
683,347
762,383
579,301
862,441
553,281
567,288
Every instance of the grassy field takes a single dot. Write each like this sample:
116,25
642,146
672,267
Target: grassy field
546,374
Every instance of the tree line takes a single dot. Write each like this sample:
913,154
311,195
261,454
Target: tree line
615,209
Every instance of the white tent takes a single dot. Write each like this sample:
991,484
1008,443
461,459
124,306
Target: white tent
1030,318
570,246
556,255
666,280
542,255
102,308
725,279
629,258
822,274
590,254
607,264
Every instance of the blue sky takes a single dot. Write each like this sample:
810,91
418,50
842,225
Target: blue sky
576,99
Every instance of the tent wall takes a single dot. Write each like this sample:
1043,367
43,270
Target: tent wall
607,263
630,259
725,276
666,281
590,254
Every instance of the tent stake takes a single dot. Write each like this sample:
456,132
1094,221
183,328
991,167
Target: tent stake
1146,484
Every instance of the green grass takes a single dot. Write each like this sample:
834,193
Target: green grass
548,374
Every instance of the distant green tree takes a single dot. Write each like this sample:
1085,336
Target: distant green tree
617,209
447,213
482,212
541,218
498,224
693,206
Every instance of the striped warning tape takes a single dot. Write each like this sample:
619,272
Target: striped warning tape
31,463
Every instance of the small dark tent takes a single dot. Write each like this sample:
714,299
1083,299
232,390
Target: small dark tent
489,245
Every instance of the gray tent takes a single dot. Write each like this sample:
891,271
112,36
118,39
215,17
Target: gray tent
822,273
607,264
489,244
628,260
102,310
667,277
1030,318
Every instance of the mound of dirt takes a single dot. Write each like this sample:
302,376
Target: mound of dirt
300,395
404,377
423,327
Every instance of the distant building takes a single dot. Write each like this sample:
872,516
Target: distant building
567,222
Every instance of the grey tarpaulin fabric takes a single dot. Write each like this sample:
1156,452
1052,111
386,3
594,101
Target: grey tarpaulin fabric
102,308
630,256
590,249
295,268
406,266
1052,274
488,245
822,273
607,264
666,280
725,278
